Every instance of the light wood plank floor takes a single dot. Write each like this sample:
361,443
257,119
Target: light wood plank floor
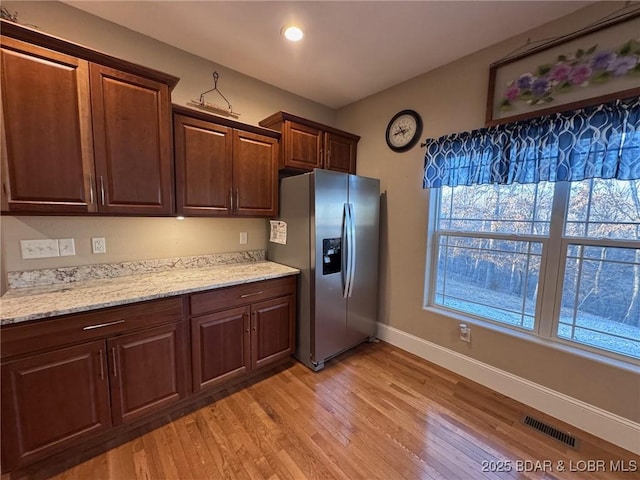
374,413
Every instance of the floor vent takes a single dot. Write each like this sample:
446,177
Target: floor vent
552,432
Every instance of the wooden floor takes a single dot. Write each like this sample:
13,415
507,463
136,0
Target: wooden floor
374,413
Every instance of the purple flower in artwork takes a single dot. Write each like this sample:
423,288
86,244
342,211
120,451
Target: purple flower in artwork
621,65
540,87
560,72
512,92
580,74
525,81
602,60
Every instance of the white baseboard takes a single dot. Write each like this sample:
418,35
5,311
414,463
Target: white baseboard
601,423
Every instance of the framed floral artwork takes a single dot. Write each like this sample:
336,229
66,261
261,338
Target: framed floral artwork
595,65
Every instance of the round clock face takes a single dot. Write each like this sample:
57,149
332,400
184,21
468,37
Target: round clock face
403,130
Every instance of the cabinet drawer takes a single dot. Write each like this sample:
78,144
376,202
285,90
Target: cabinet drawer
222,298
69,329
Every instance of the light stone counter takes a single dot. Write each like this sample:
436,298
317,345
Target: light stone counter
23,304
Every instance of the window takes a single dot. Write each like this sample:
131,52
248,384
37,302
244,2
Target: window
558,260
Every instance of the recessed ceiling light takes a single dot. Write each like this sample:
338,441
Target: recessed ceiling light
292,33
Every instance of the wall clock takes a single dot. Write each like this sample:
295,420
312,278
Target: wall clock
404,130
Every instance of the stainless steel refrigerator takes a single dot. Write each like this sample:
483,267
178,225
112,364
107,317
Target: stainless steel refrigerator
332,224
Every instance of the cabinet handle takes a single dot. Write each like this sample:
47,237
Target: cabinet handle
102,189
113,356
255,321
101,325
251,294
321,157
101,365
231,198
237,199
247,322
91,189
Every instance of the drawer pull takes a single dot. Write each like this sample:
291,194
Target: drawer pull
101,325
251,294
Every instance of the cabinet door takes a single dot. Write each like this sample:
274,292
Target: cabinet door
341,153
146,371
273,330
303,146
47,149
255,174
219,347
132,142
203,167
53,400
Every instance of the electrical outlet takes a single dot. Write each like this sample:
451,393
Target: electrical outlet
67,247
99,245
465,333
39,248
243,238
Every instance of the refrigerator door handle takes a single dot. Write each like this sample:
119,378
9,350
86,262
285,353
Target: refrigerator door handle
346,264
352,250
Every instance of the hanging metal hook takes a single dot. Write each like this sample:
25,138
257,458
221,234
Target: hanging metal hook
215,89
209,106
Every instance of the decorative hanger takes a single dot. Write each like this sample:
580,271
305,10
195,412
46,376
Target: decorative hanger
201,103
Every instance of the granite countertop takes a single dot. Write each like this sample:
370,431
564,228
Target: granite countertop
32,303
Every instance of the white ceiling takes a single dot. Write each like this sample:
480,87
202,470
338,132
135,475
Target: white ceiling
351,49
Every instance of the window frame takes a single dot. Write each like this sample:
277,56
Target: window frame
553,264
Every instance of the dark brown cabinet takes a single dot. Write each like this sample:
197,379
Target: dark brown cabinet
235,330
53,400
118,370
73,382
224,169
146,371
47,152
132,142
307,144
220,347
272,330
82,132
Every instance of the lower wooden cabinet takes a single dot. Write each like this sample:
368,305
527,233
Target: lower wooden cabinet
273,330
53,400
58,398
146,371
220,347
89,377
248,327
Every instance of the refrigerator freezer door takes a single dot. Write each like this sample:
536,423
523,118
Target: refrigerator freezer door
364,197
329,314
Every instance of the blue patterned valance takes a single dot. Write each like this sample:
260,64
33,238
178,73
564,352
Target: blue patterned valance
596,142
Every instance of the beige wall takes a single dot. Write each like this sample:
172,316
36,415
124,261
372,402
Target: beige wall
452,99
143,238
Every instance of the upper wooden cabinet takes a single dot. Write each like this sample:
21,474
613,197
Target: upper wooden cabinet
132,142
307,144
224,167
47,152
82,132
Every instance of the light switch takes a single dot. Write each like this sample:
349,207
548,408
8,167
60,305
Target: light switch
67,247
243,238
39,248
